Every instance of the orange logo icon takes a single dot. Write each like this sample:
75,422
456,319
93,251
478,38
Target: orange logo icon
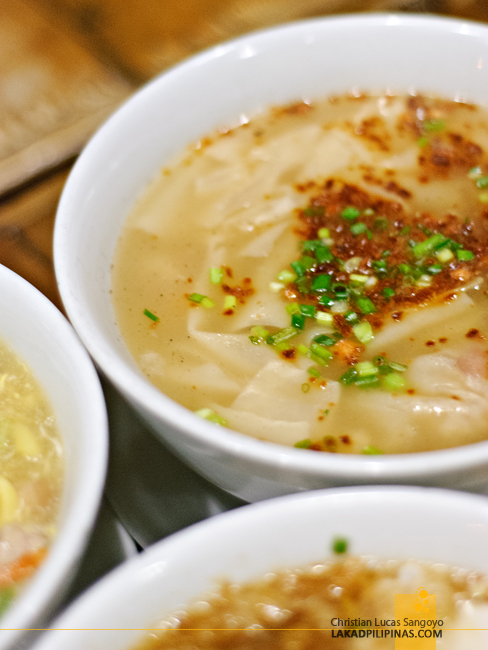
417,627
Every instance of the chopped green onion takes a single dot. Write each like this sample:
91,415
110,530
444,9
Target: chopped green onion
286,276
323,233
444,255
368,212
305,387
388,292
385,367
281,335
307,262
216,275
352,264
340,290
483,197
363,332
201,300
303,350
298,321
260,331
474,172
308,310
356,277
323,339
293,308
366,305
324,317
303,444
380,223
400,367
320,351
349,377
315,357
230,302
425,247
405,231
379,265
303,284
464,256
371,281
340,307
321,282
298,268
313,372
370,450
435,268
350,213
423,141
340,545
453,245
327,301
358,228
211,416
369,381
393,382
482,183
351,316
276,287
434,125
366,368
424,280
282,346
150,315
310,245
323,254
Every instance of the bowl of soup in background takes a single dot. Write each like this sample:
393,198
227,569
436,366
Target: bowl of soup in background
428,525
219,88
42,339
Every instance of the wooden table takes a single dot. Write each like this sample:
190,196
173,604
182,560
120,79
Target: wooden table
66,64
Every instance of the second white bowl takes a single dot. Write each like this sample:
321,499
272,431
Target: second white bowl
290,532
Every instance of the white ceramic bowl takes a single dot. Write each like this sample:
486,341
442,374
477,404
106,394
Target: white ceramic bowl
313,59
292,531
38,333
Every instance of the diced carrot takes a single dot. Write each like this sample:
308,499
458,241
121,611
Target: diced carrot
21,568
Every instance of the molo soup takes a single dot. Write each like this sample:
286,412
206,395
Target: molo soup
31,475
316,276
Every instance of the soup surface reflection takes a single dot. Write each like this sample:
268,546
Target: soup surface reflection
31,475
316,276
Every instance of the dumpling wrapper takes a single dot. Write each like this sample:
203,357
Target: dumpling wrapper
279,431
276,392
